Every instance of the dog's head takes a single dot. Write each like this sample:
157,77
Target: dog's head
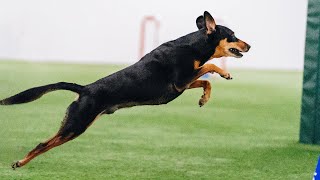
228,44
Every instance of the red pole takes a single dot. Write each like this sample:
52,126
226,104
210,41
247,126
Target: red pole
144,22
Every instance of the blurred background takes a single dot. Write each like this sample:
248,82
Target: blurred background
106,32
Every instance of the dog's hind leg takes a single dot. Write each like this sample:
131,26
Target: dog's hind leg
206,90
80,115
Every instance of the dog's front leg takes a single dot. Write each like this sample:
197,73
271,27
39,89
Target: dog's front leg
211,68
198,72
206,90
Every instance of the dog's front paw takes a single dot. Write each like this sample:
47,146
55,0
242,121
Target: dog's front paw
204,99
227,76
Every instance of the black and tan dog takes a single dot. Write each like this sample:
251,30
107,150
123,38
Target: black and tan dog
158,78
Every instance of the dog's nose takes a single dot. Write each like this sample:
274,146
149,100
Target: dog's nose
248,47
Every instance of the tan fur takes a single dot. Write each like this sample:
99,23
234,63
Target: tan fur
206,68
222,50
206,90
49,144
196,64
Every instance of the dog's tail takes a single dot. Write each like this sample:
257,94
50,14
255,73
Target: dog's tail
36,92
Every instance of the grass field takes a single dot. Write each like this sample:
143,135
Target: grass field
248,130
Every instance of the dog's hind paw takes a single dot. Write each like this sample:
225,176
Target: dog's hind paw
15,165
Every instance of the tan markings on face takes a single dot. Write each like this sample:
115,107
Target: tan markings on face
222,50
243,46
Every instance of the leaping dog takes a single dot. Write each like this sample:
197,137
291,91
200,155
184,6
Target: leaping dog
157,78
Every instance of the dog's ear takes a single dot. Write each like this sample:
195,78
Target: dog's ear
209,23
200,22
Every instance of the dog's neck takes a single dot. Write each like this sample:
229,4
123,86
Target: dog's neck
199,42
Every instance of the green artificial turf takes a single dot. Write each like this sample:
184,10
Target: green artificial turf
248,130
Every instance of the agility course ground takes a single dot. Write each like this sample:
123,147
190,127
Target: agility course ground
248,130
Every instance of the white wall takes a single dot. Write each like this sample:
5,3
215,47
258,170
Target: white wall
108,31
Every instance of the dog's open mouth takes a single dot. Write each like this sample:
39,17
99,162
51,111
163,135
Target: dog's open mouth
236,52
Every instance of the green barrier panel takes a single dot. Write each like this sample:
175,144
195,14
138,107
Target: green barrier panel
310,110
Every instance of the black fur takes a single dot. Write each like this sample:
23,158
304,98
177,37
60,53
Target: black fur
36,92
